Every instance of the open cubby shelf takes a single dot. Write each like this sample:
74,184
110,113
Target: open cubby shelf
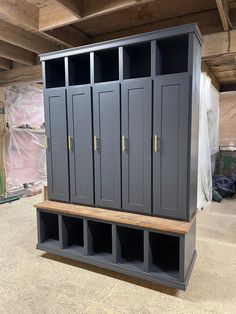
55,73
100,238
137,60
79,69
130,247
49,229
121,246
164,254
106,65
172,55
73,234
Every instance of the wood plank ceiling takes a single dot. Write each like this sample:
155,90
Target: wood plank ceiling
31,27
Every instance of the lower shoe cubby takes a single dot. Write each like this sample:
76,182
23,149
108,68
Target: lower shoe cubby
100,240
73,234
158,256
164,254
48,229
130,247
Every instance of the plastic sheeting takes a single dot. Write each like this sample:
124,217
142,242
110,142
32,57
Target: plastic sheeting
208,139
24,148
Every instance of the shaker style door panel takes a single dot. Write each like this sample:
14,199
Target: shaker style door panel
136,151
79,106
106,110
170,155
57,152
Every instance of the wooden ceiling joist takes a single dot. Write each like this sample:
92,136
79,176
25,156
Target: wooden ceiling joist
14,53
219,44
223,12
20,12
75,7
69,36
29,74
31,41
54,15
5,64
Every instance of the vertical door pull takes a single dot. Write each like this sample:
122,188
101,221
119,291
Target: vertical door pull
155,143
124,145
46,142
95,143
70,142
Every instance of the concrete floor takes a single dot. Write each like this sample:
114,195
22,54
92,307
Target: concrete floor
32,281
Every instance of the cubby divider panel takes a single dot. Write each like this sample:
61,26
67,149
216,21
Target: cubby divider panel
172,55
100,238
164,254
137,60
49,228
106,65
55,73
72,234
130,247
79,69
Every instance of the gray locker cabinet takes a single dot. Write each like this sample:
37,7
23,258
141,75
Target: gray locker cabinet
79,105
136,155
106,113
170,156
57,151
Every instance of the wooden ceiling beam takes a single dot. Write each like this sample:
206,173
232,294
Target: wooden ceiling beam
223,12
20,12
54,15
14,53
27,74
75,7
219,44
27,40
69,36
5,64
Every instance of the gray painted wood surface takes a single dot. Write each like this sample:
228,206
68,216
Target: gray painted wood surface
136,159
106,113
170,125
57,152
81,155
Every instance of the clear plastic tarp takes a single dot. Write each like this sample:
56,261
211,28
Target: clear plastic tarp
24,152
208,139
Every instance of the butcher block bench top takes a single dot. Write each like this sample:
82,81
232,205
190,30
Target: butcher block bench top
119,217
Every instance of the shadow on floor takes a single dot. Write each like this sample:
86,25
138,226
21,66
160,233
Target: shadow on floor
113,274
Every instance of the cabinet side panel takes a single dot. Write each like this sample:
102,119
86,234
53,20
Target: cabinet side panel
195,70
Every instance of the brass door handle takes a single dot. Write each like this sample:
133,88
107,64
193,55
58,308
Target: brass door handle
124,143
46,142
156,143
95,143
70,142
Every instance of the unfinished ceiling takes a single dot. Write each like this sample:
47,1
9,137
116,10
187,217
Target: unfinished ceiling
28,28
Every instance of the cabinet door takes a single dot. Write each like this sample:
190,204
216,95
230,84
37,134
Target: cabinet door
170,160
106,106
57,152
81,154
136,153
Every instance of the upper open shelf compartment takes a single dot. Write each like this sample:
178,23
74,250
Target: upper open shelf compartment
172,55
79,69
55,73
106,65
137,60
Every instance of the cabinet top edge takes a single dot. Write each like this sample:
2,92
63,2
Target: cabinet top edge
115,43
120,217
